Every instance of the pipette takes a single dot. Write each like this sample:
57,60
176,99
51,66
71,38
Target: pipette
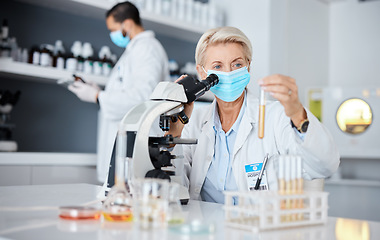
262,113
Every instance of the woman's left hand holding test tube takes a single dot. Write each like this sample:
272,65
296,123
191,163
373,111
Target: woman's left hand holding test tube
285,90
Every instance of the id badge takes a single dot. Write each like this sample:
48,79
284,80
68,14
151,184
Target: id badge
252,172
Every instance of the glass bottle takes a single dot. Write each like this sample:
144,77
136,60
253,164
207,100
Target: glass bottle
46,55
118,205
36,56
87,53
5,49
58,56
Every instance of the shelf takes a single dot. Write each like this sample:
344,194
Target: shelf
32,72
97,8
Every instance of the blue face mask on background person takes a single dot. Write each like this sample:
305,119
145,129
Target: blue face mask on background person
231,84
118,38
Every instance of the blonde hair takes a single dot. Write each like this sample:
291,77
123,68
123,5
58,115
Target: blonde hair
222,35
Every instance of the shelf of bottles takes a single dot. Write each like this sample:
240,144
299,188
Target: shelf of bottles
49,63
31,72
181,19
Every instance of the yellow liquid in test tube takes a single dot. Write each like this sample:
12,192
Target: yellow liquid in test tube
262,114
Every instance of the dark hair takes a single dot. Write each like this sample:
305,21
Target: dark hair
124,10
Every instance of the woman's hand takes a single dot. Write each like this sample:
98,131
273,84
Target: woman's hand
285,90
177,127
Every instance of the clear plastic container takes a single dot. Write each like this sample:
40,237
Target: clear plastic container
150,202
175,214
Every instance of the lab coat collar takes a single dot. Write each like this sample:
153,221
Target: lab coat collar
247,123
216,118
142,35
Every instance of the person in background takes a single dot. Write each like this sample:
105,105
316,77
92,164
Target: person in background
227,130
141,67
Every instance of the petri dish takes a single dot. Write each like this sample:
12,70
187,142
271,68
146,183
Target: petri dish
79,213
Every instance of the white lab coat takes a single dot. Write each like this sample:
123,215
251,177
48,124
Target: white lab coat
318,150
141,67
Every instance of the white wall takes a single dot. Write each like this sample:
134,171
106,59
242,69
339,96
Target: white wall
289,37
308,44
253,18
354,43
299,42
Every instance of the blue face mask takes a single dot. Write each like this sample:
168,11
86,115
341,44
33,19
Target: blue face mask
118,38
231,84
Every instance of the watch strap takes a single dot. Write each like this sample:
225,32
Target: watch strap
303,126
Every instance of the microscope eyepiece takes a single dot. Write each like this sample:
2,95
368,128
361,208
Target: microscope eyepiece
195,89
210,81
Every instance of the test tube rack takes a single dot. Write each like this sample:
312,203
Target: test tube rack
264,210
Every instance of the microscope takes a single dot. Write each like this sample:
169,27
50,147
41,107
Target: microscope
151,156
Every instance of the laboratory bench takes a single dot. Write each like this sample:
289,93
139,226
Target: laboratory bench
30,212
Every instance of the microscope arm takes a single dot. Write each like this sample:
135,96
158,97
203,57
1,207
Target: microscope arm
138,122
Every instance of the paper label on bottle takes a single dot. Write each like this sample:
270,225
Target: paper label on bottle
71,64
36,58
98,68
106,69
88,67
45,59
252,172
60,63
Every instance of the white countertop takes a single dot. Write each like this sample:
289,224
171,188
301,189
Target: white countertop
47,158
19,221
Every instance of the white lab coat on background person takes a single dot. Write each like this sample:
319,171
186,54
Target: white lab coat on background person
318,150
141,67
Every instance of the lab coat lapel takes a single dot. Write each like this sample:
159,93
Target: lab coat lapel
208,130
246,125
245,129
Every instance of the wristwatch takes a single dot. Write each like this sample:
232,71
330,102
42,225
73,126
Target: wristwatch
303,126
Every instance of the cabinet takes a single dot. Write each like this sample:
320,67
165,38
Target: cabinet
47,168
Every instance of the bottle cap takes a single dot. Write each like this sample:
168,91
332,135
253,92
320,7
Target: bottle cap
105,51
76,49
87,50
58,47
114,58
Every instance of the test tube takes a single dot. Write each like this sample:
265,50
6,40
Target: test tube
262,113
288,184
299,175
281,179
299,185
293,176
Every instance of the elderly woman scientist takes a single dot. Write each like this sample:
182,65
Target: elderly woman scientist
227,130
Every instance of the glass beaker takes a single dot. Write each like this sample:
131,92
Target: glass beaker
150,202
118,205
175,214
